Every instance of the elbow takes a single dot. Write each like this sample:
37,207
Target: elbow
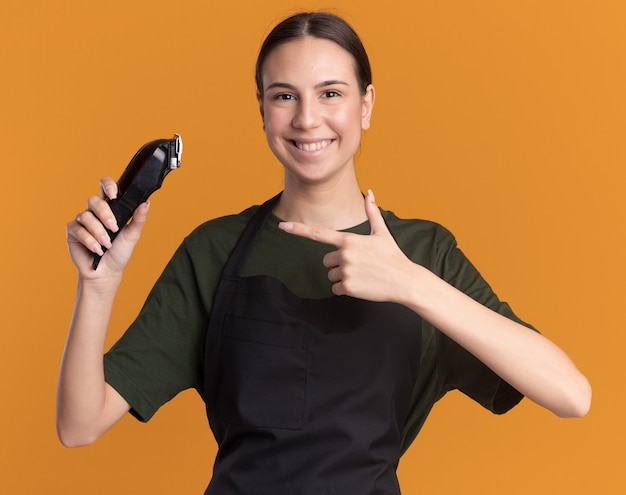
71,438
577,403
72,442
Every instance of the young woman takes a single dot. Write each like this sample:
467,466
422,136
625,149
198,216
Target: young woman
318,328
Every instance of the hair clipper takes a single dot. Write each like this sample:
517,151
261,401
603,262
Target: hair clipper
143,175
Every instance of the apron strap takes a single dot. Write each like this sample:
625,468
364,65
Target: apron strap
224,293
248,238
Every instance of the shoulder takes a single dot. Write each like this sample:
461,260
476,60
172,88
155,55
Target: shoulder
418,234
226,223
219,233
415,225
202,253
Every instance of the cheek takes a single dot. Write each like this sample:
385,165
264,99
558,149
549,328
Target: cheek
274,121
273,129
350,120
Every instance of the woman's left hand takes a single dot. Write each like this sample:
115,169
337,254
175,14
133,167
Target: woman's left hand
369,267
373,267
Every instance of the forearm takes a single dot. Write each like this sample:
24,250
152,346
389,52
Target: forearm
375,268
523,358
85,408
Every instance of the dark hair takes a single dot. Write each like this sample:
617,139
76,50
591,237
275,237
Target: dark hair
318,25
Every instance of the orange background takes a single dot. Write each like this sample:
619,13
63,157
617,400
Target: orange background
502,120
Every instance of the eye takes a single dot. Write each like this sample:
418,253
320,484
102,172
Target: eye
330,94
284,97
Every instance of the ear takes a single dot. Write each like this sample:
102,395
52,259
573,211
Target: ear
259,99
367,106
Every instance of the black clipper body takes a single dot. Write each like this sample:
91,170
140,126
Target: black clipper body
143,175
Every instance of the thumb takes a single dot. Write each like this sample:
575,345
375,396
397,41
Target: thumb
133,230
377,223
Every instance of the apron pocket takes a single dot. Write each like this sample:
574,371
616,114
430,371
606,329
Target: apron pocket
263,369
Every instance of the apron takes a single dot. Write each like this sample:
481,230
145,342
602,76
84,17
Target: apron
305,396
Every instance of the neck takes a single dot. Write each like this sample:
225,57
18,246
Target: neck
333,207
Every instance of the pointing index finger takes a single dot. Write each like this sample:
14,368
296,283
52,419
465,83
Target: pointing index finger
319,234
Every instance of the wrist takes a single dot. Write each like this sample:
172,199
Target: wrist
421,287
100,287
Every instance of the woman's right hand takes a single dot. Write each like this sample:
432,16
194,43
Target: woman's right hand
86,235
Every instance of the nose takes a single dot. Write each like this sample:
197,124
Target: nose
307,114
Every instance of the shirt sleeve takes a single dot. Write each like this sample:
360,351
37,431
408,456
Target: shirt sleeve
160,353
456,367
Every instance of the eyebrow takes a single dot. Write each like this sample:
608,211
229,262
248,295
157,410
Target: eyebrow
331,82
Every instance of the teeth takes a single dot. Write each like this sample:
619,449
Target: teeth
312,146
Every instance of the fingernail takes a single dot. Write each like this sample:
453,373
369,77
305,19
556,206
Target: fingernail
370,193
105,241
286,226
111,224
96,248
110,192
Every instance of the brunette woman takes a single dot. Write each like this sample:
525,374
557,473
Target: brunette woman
318,328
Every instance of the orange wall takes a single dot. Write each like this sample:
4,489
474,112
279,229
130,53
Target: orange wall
502,120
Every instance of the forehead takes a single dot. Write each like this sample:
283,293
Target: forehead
309,58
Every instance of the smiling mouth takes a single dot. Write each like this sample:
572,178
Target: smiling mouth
312,146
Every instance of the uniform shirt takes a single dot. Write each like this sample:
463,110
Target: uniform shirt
161,354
